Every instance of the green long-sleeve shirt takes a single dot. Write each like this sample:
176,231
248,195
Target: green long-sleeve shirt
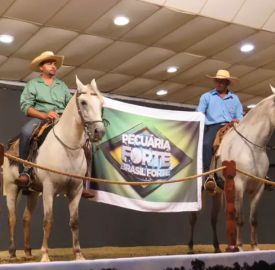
45,98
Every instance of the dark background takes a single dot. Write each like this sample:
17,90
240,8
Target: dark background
105,225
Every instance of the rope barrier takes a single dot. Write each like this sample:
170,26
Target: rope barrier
133,183
263,180
98,180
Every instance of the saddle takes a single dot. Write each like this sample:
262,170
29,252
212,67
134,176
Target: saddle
37,138
219,136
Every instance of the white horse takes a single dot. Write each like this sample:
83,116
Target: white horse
246,145
62,150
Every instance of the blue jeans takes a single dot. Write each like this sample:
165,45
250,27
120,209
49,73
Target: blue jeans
208,140
25,137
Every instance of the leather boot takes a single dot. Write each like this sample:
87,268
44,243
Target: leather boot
88,193
23,181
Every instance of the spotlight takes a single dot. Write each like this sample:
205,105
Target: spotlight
162,92
172,69
121,20
248,47
6,38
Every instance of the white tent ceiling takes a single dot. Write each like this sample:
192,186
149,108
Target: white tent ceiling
132,60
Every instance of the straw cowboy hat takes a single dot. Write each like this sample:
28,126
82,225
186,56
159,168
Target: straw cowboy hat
222,75
48,55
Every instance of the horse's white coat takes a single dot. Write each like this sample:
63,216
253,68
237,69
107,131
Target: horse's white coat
250,156
257,126
53,154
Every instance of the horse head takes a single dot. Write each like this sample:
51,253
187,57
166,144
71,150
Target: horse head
89,102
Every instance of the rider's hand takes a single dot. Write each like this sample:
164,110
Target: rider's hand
52,115
235,120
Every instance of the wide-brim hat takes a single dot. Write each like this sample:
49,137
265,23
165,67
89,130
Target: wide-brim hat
44,56
222,74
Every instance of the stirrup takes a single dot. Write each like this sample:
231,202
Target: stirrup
210,185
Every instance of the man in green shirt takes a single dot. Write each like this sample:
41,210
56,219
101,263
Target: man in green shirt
43,98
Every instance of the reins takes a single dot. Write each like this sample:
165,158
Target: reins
64,144
254,144
85,125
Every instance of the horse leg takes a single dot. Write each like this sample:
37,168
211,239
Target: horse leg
216,206
74,196
48,196
253,219
192,222
12,194
27,216
239,217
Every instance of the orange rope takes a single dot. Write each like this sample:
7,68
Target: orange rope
98,180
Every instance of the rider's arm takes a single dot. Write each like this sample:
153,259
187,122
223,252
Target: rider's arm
239,110
203,104
32,112
28,97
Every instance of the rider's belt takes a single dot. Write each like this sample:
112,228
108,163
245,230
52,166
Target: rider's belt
219,124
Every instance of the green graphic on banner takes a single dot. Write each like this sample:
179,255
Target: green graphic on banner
144,154
143,148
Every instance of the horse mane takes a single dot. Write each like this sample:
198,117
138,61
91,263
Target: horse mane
260,108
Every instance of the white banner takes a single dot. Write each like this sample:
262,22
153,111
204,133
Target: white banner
144,144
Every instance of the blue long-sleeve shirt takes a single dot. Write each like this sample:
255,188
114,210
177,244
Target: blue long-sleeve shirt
220,110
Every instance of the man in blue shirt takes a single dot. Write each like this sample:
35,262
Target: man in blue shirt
220,106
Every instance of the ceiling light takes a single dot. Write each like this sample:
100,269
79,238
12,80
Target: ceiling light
6,38
162,92
121,20
248,47
250,106
172,69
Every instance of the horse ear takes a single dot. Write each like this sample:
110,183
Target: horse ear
78,84
272,88
94,87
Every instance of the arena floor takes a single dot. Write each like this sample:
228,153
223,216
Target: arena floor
65,254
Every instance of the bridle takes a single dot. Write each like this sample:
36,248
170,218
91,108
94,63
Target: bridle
267,147
85,125
84,122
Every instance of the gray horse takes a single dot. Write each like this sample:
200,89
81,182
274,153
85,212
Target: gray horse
246,145
62,150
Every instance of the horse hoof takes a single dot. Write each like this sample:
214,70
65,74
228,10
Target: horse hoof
12,256
28,253
79,257
45,258
232,249
217,250
12,252
255,248
29,257
13,259
190,252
